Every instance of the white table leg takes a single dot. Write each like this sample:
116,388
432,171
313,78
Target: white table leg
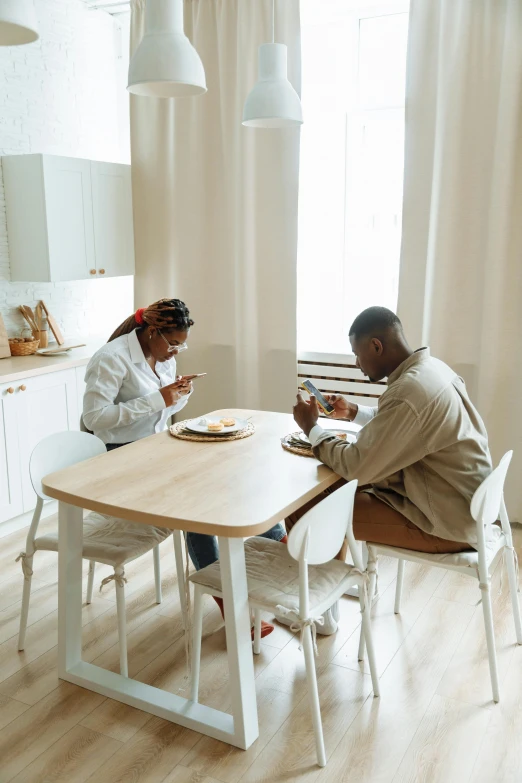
239,643
241,729
70,527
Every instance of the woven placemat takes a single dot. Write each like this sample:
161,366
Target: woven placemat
178,431
301,451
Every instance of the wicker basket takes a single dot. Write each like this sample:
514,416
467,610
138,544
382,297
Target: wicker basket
23,349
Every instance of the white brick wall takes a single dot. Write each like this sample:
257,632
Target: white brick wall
65,95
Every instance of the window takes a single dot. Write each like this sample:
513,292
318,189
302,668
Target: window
351,171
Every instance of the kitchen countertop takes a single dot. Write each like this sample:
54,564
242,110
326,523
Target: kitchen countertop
16,368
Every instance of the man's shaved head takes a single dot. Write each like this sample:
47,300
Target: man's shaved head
378,342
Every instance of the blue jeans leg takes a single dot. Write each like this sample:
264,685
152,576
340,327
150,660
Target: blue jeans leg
203,550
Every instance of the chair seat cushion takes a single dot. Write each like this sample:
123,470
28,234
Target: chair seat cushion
460,559
111,540
273,576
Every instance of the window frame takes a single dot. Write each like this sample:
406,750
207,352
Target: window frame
354,18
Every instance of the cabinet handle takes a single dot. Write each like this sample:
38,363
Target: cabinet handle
23,388
102,271
93,271
10,390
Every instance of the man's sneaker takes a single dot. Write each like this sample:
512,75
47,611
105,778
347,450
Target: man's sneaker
330,623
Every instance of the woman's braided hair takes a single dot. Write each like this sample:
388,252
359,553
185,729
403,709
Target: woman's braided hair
168,314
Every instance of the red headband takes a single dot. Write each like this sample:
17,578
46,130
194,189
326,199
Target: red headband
138,315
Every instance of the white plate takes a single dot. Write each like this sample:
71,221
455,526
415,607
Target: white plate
56,349
350,437
196,425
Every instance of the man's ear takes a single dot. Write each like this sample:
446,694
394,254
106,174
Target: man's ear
377,346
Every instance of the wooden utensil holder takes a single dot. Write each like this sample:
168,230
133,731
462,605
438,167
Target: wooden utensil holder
43,338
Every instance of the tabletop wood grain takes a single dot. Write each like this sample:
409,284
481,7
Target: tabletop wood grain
240,488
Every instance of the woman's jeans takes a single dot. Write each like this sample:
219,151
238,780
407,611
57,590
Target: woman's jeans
203,550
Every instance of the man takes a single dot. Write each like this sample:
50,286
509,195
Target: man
423,451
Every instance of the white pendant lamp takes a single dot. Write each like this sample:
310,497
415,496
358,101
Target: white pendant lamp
18,22
165,64
273,102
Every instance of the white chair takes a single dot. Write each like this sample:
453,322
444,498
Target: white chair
487,506
114,542
300,581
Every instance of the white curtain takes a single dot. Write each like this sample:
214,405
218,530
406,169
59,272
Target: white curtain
215,208
461,266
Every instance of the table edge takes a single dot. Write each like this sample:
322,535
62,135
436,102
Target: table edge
175,523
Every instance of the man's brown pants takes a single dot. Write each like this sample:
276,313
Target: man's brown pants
376,522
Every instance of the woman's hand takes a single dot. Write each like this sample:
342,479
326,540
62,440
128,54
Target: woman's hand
175,391
343,408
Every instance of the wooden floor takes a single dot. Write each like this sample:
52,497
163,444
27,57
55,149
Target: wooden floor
435,721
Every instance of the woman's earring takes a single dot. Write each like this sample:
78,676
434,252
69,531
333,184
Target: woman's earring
150,337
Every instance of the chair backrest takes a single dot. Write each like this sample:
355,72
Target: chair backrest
320,533
487,501
59,451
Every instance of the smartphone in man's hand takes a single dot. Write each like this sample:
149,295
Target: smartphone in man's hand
321,400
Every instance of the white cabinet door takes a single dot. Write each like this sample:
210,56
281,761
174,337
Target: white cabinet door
79,214
68,203
48,404
11,503
113,226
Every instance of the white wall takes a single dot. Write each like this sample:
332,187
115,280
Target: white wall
65,95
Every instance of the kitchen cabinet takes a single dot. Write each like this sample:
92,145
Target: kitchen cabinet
30,410
11,501
112,213
68,218
46,404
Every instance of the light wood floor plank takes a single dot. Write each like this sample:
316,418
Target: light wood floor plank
467,677
185,775
116,720
9,710
500,758
72,759
41,637
35,681
149,756
144,643
390,630
43,602
374,745
11,589
446,744
228,764
435,679
290,754
39,727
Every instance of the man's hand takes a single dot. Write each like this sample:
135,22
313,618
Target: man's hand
306,413
343,408
175,391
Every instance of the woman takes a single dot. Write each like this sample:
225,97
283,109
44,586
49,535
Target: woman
132,387
132,390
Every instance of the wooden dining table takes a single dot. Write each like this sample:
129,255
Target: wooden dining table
231,490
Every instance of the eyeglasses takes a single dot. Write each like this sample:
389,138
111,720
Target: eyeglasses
173,348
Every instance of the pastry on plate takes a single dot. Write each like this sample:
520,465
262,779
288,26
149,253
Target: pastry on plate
215,426
228,422
341,435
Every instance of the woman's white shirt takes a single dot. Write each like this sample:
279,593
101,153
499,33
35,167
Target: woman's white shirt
122,401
